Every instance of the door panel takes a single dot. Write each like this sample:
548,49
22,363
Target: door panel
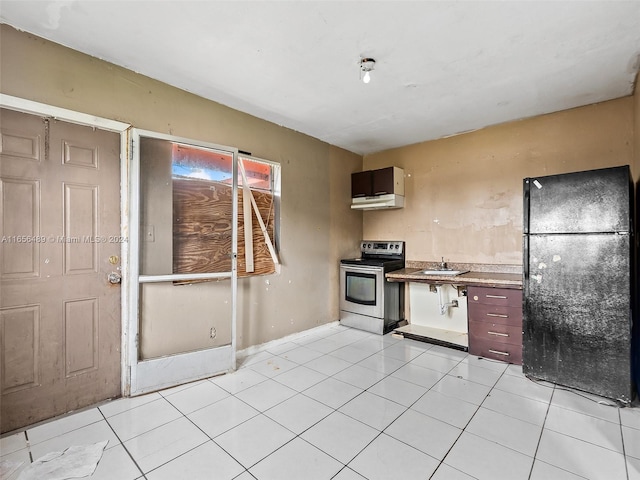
60,318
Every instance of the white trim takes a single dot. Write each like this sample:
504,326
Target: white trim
42,109
36,108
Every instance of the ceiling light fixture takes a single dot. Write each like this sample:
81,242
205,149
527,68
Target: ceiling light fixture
366,66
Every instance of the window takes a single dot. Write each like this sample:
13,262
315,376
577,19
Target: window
186,215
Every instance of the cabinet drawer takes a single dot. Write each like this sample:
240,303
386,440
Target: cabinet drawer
494,332
497,351
495,296
496,314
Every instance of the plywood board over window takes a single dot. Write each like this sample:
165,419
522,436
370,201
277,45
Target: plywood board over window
202,228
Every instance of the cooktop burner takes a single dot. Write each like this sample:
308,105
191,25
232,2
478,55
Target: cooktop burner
389,255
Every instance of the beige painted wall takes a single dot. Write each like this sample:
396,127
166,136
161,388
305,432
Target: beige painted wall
317,226
464,193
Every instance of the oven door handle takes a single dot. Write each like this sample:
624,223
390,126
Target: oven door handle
368,269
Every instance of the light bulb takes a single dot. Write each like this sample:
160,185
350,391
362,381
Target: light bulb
367,77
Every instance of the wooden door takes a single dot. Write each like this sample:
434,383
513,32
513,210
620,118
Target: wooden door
60,320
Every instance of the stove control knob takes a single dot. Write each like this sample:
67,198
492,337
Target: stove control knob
369,245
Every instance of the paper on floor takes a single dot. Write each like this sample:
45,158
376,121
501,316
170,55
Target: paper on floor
74,462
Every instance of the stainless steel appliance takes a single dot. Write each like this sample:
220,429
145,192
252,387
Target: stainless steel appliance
578,281
367,300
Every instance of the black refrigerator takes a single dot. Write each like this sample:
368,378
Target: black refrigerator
578,282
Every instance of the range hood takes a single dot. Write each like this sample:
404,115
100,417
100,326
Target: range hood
378,202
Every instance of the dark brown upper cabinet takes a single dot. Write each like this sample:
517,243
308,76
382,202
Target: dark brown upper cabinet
384,181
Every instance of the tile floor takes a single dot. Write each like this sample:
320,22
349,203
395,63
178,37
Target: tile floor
342,404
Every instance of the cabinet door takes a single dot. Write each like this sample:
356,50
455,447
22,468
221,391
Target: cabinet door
383,181
361,184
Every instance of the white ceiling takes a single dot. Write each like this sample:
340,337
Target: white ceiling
442,67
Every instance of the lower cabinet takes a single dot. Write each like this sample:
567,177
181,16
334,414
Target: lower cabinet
495,323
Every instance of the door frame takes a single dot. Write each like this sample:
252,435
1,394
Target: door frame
41,109
167,371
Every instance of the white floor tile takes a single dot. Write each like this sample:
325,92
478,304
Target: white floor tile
475,374
398,390
123,404
582,438
445,472
249,360
447,352
332,392
631,441
381,363
254,440
347,474
373,345
340,436
298,413
18,458
282,348
584,427
116,464
524,387
351,354
266,395
202,463
301,355
487,363
402,351
196,397
462,389
506,431
92,433
516,406
586,404
482,458
579,457
359,376
633,468
427,434
324,345
375,411
387,458
309,464
62,425
514,370
435,362
12,443
161,445
221,416
131,423
450,410
272,366
545,471
630,417
239,380
422,376
328,365
300,378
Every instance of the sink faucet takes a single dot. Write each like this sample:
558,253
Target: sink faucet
443,264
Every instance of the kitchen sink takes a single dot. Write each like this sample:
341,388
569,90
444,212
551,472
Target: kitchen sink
447,272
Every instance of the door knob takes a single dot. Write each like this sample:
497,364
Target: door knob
114,278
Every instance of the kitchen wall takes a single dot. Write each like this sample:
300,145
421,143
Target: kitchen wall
464,193
317,226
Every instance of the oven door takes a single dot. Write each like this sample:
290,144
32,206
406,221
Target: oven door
361,290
